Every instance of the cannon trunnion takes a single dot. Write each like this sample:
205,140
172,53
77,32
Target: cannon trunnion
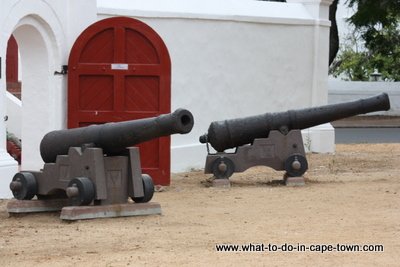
274,139
97,165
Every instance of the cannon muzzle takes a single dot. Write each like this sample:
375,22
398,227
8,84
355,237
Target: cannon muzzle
236,132
114,137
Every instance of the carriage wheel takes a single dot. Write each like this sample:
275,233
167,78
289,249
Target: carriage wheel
81,191
223,168
24,186
148,188
296,165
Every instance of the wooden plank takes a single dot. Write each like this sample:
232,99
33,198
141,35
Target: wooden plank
110,211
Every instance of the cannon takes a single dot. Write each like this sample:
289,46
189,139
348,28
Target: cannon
274,139
97,164
113,138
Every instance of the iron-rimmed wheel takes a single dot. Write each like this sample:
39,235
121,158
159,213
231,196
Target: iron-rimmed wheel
24,186
81,191
223,168
296,165
148,188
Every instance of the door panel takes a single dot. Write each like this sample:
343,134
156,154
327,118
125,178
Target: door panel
119,69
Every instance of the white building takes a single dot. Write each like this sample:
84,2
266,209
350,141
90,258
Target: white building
228,59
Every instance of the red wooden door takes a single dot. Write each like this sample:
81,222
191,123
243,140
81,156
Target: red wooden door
119,69
12,61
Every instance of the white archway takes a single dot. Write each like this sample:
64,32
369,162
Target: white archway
42,91
39,55
35,59
41,40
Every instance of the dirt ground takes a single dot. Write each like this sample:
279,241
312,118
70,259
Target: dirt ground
351,197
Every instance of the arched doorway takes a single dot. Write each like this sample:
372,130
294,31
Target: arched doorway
13,84
39,54
119,69
40,38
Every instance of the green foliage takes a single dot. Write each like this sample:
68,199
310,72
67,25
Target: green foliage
369,13
377,23
351,66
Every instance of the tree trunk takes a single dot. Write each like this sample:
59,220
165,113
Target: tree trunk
333,33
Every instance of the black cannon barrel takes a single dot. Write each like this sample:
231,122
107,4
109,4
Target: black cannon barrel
114,137
236,132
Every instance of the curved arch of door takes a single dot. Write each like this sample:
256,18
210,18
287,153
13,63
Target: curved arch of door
119,69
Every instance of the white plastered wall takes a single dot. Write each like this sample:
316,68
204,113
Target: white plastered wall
241,58
230,59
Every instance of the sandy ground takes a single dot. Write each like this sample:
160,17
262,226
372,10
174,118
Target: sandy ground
352,197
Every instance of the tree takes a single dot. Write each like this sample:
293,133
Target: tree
377,23
352,61
372,12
